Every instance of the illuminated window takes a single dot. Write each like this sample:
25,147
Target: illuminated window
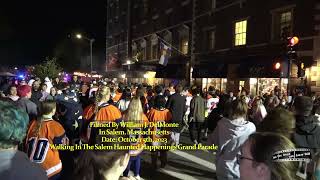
285,23
184,46
240,33
281,24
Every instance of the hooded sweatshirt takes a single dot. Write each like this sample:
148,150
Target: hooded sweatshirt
307,132
49,84
229,136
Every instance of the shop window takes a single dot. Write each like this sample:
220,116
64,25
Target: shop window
241,85
219,84
224,85
240,36
267,85
253,86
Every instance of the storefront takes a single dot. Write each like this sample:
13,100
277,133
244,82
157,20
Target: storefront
206,75
148,77
261,86
260,75
219,84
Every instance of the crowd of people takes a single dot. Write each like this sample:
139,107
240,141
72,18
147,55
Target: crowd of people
248,130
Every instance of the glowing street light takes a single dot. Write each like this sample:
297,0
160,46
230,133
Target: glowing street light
79,36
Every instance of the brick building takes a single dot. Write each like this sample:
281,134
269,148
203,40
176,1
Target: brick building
223,43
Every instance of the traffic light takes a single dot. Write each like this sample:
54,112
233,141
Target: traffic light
292,41
291,46
277,65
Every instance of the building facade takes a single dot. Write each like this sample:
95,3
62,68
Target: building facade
228,44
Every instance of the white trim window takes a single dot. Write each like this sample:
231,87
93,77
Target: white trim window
240,33
282,23
285,23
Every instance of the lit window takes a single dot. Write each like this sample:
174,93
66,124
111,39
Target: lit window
184,46
241,33
285,23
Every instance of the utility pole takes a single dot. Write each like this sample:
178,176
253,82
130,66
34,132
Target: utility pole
129,33
91,40
193,39
91,46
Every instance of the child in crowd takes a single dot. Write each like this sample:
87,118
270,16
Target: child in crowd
42,134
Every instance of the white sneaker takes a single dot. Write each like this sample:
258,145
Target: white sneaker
137,177
195,142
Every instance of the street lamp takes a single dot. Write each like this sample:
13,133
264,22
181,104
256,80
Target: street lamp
79,36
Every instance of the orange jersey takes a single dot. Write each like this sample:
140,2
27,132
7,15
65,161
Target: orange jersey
38,147
106,113
156,116
117,97
140,141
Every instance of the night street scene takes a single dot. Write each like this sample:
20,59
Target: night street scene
160,90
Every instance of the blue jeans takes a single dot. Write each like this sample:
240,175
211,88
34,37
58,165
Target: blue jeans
135,161
55,177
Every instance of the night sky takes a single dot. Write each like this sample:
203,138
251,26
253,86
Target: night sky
32,30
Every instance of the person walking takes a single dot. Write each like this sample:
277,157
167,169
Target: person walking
177,106
230,134
197,116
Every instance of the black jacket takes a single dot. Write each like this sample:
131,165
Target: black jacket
177,106
35,97
307,132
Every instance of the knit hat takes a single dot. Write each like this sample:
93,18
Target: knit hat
23,90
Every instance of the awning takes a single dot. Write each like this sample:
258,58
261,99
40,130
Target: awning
212,70
173,71
263,67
